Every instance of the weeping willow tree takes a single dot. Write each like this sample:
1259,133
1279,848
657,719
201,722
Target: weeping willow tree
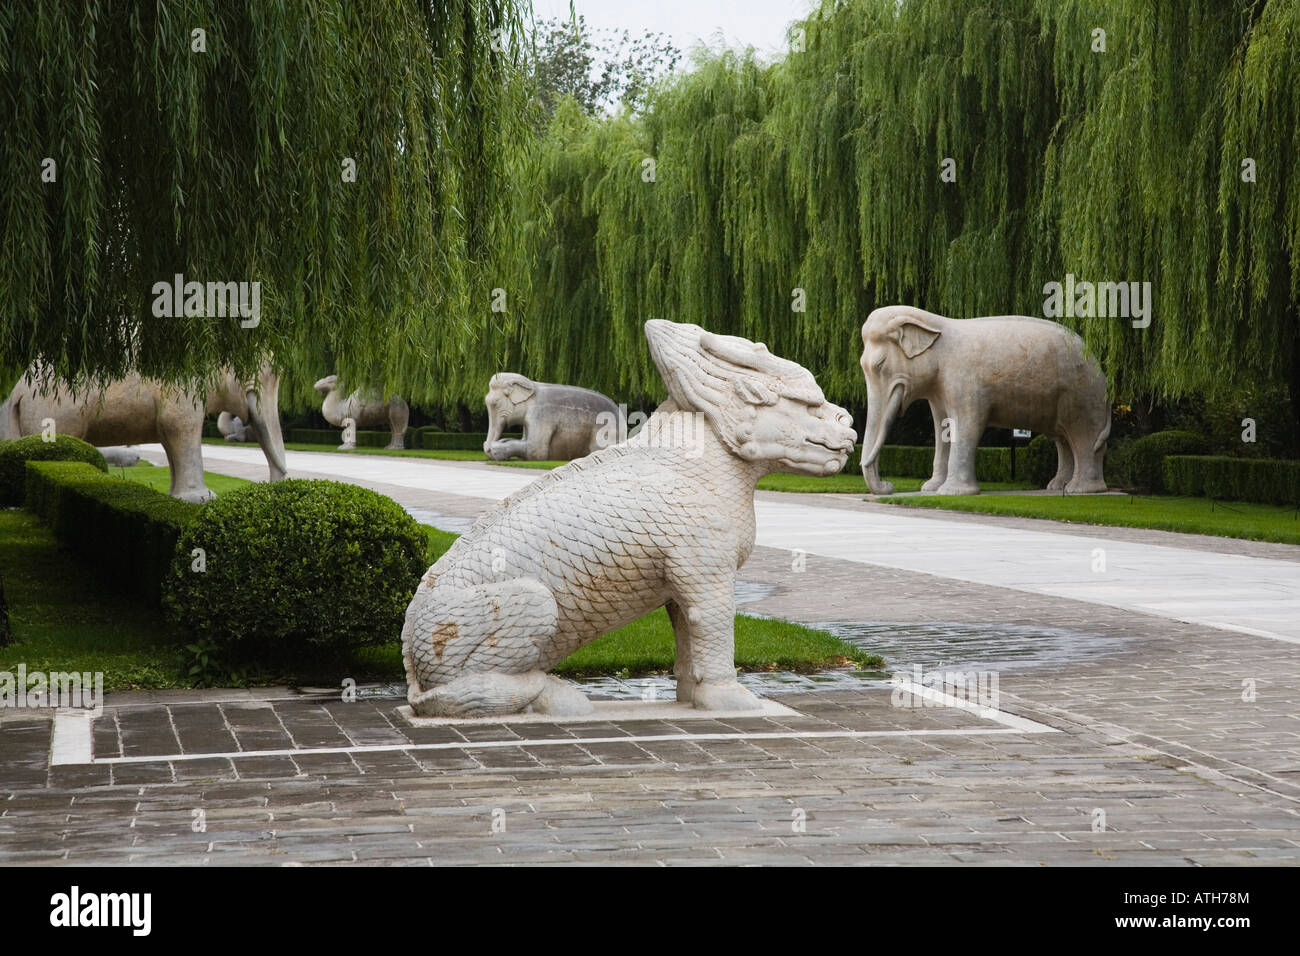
357,160
956,155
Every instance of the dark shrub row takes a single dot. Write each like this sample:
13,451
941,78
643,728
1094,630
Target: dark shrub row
14,456
1144,464
376,438
452,441
917,461
126,530
1264,480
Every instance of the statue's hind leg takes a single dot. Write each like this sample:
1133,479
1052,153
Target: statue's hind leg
475,651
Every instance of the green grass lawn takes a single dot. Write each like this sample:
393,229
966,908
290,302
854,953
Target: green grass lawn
1190,515
159,479
65,619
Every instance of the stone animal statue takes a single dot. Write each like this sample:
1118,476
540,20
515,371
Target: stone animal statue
364,410
120,456
663,519
134,410
1007,371
559,422
232,428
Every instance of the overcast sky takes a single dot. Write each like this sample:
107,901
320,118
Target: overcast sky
758,23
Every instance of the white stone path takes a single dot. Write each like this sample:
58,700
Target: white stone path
1259,596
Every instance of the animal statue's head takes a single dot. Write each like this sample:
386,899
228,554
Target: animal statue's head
509,389
764,409
327,384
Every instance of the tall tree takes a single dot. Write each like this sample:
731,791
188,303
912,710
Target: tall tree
355,159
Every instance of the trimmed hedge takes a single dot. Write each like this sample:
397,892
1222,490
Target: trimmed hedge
378,438
1263,480
1146,457
917,461
1039,460
125,529
14,456
296,567
452,441
6,634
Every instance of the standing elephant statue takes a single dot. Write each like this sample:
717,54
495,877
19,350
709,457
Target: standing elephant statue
364,411
1006,371
135,410
559,422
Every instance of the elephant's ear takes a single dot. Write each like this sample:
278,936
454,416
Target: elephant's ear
913,335
519,392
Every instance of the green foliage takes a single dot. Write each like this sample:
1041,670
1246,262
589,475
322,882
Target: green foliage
377,438
296,567
1234,479
821,172
227,165
453,441
566,54
1039,461
1145,464
6,633
15,454
126,531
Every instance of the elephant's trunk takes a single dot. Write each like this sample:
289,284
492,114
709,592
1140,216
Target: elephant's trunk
873,439
264,413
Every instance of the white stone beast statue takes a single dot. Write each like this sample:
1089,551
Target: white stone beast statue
665,518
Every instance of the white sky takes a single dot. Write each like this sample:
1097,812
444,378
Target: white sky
758,23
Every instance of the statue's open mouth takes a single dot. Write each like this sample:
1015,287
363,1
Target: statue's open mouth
841,448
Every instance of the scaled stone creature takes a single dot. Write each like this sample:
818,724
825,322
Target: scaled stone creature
365,412
663,519
1007,371
559,422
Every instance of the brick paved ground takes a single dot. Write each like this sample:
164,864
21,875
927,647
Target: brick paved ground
1154,736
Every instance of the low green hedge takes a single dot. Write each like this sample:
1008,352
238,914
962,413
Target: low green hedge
1263,480
6,634
378,438
14,456
917,461
296,567
452,441
1146,457
125,529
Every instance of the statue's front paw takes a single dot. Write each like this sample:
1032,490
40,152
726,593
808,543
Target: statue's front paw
726,695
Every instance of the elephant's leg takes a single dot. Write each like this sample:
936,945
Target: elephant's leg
702,582
967,429
183,443
1064,466
1087,478
682,662
399,413
939,473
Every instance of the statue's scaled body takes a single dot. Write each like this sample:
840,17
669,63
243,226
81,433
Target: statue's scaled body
663,519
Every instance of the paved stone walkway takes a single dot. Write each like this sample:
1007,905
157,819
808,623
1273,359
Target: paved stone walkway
1175,743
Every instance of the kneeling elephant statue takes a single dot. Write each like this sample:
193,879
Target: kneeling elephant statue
559,422
663,519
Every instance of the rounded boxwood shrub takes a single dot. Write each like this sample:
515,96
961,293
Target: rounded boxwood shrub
14,456
1146,456
295,565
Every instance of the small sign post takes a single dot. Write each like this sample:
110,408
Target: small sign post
1015,434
